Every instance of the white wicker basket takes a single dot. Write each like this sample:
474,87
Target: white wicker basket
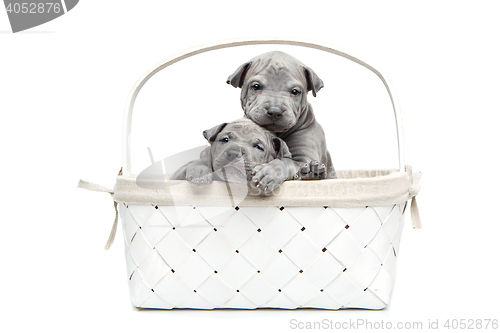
252,257
313,245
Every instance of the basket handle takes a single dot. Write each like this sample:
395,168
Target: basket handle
127,120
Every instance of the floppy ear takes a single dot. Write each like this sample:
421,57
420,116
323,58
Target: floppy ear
280,148
211,134
314,83
236,79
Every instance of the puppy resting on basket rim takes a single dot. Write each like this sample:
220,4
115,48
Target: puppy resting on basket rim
236,148
274,90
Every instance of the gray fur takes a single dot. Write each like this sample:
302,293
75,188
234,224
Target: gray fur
274,89
248,145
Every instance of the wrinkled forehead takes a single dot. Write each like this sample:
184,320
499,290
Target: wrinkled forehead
280,68
244,131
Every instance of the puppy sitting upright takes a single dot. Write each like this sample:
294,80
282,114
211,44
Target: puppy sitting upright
236,148
274,89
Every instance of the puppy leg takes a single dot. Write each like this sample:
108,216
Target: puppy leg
198,173
311,171
268,176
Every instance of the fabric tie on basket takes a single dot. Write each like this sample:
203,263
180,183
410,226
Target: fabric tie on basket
98,188
414,189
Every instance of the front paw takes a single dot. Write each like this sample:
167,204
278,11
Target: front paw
311,171
199,175
267,177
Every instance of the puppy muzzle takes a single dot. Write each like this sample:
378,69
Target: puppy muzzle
232,165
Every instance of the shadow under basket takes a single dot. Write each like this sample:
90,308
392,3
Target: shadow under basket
327,244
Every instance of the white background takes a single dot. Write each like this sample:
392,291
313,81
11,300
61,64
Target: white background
63,86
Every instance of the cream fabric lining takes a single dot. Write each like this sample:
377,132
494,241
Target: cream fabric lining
354,188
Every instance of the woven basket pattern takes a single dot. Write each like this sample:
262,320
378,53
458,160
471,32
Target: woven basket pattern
261,257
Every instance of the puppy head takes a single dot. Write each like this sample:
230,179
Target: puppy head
237,147
274,89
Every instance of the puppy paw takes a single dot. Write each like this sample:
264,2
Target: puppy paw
311,171
267,177
199,175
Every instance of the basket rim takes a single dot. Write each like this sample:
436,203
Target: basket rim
354,188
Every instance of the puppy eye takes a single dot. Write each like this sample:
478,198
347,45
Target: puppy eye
295,92
259,147
224,140
256,86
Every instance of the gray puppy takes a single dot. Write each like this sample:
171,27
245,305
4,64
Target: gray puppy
236,148
274,89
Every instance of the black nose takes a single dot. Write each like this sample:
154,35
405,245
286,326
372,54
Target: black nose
274,112
231,154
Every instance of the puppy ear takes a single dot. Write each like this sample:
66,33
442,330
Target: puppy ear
280,148
314,83
211,134
236,79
